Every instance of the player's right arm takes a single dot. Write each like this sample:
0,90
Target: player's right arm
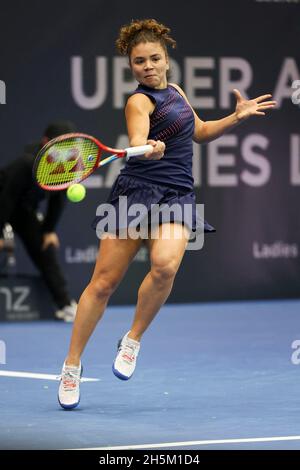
137,113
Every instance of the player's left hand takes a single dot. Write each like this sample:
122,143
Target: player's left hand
255,107
50,238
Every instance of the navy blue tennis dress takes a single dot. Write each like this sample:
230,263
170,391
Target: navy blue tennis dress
166,183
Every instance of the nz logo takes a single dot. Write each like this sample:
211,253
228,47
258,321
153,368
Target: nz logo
15,298
2,92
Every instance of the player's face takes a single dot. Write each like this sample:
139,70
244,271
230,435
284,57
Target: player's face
149,64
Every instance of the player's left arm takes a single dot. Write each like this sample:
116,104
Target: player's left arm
206,131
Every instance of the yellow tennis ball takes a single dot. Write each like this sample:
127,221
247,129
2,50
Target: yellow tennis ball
76,192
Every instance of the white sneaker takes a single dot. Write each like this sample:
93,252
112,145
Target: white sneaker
125,362
69,387
67,313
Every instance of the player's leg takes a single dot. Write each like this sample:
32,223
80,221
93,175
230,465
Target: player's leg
167,246
114,257
166,253
113,260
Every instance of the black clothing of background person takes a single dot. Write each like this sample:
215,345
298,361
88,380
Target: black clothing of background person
20,198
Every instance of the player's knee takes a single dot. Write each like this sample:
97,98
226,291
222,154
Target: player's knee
103,288
163,271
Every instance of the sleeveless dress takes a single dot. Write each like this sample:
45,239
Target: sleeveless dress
159,190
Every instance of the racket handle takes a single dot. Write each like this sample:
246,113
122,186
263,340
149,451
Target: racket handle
137,151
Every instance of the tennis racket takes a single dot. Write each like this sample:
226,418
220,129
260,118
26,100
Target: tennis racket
71,158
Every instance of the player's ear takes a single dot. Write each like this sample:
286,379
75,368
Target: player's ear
168,62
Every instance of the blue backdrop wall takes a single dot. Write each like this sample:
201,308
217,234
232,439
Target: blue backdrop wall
57,60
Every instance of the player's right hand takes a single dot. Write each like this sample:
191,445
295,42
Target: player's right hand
1,244
158,151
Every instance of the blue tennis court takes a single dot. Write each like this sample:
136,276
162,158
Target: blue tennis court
209,376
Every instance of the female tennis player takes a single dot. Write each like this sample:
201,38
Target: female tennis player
157,113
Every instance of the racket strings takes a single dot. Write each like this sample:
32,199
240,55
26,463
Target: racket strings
67,161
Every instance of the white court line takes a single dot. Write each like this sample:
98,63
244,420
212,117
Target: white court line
197,443
31,375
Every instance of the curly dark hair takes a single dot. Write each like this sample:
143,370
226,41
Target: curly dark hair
148,30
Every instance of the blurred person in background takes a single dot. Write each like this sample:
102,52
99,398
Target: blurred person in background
20,198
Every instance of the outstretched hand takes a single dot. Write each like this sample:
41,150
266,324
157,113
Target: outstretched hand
255,107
